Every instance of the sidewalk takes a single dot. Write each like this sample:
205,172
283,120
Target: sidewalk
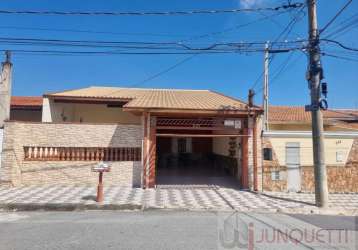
190,198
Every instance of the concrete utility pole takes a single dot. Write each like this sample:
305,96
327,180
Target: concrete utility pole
314,77
5,88
266,91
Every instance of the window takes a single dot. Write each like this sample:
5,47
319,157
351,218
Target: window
268,154
275,175
339,156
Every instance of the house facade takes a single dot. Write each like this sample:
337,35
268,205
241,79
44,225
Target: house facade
288,154
149,137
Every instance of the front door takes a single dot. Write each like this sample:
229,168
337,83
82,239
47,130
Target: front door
293,166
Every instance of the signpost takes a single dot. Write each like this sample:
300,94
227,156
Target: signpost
100,168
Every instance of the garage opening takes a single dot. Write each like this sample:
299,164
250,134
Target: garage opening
198,161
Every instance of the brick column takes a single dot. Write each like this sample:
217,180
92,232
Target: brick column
244,160
254,154
259,153
152,139
145,150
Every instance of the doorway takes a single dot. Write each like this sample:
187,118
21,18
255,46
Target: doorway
293,166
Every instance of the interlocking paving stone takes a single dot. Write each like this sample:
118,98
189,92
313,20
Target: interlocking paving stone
179,196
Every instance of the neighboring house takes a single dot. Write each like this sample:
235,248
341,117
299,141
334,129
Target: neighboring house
26,108
23,108
288,158
148,136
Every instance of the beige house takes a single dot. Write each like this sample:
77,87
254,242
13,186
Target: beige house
163,136
288,157
149,137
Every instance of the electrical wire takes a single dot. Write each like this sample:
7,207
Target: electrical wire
335,16
89,31
339,44
344,27
200,37
287,30
148,34
281,69
151,13
164,71
339,57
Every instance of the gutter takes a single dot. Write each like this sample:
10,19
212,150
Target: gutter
308,134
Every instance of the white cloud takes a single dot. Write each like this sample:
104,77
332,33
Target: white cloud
250,3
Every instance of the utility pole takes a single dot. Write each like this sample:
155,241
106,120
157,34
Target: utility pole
265,92
314,77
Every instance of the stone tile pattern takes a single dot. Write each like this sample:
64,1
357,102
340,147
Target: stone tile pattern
340,178
191,198
16,171
271,166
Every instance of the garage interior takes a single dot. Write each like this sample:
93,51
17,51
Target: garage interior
198,160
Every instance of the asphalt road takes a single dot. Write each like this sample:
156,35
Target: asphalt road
173,230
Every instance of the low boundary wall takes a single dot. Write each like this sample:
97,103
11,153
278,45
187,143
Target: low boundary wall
20,135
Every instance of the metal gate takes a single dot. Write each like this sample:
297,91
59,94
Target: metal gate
293,166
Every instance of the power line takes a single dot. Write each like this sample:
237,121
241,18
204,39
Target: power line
339,44
339,57
24,52
90,31
239,26
287,30
348,24
164,71
151,13
117,52
142,47
147,34
335,16
157,74
96,42
199,37
281,69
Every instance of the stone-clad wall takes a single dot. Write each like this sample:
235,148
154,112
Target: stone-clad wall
340,178
272,166
19,134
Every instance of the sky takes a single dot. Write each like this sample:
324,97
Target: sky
232,74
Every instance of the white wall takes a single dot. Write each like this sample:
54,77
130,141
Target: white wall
86,113
221,146
332,146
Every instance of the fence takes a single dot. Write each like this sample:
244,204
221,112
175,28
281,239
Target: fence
35,153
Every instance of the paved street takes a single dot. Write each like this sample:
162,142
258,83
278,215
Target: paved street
188,198
173,230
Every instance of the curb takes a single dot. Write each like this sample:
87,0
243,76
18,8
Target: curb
135,207
66,207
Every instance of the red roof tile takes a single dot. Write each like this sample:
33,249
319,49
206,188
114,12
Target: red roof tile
26,101
298,114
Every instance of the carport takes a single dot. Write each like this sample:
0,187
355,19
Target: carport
197,150
198,159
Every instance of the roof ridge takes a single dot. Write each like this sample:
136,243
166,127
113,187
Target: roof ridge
230,97
136,88
67,90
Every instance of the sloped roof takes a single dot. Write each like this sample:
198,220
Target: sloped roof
298,114
26,101
159,98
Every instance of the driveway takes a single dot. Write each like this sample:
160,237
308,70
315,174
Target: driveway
184,197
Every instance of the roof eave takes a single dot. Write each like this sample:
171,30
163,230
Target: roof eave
188,110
